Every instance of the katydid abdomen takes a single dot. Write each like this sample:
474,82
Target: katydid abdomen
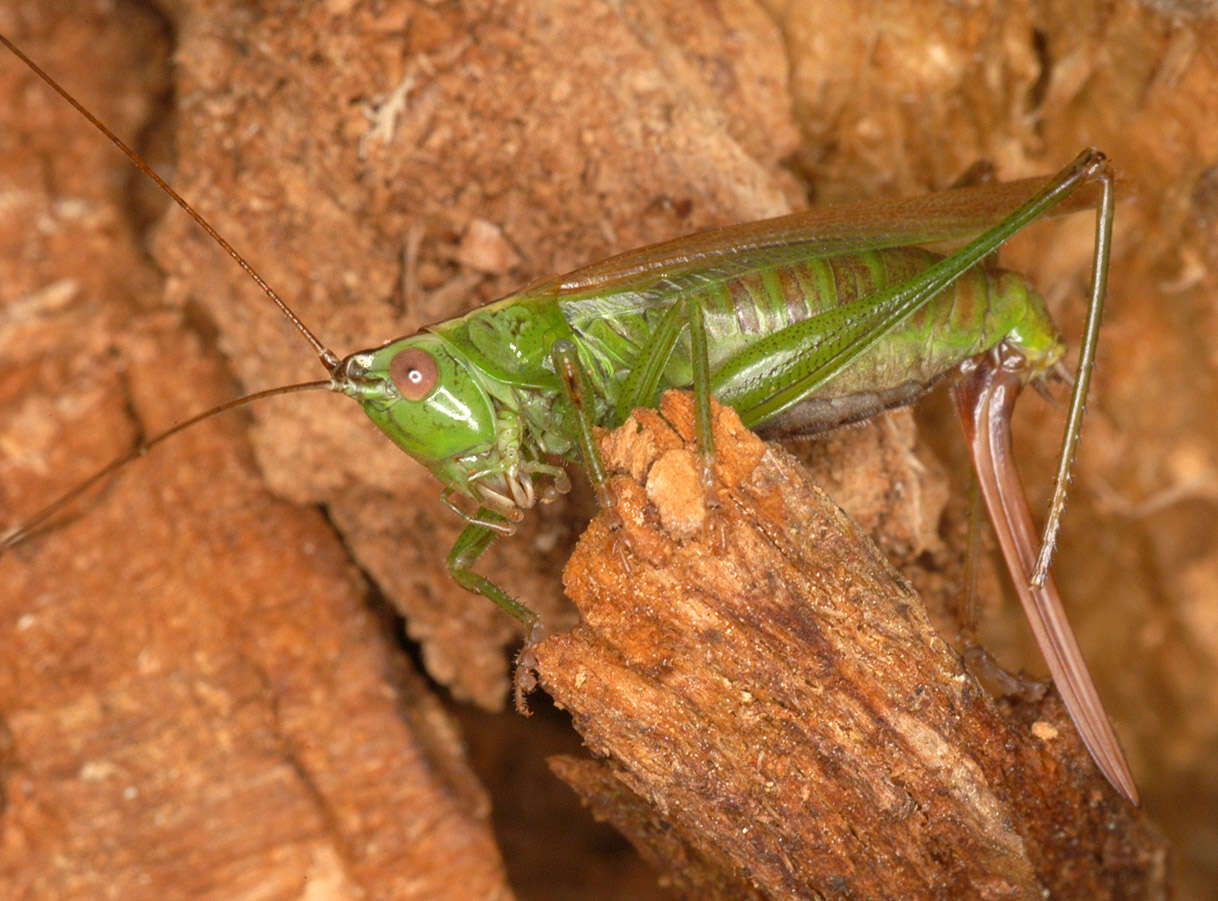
758,309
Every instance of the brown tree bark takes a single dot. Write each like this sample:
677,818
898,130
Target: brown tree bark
777,716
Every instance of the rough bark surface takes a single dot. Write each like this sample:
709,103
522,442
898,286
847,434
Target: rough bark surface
766,687
196,699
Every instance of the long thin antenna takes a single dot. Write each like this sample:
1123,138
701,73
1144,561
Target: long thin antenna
22,532
328,358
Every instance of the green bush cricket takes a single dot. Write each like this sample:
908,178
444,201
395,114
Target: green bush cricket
802,324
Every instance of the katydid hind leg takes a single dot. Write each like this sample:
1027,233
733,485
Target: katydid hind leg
984,398
1082,379
948,216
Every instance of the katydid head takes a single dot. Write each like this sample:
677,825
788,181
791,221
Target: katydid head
429,400
420,394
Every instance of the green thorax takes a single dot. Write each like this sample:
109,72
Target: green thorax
507,344
509,341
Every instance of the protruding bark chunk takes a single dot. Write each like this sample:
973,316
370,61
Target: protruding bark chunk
777,715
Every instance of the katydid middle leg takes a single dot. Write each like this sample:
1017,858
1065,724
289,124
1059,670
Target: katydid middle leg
700,358
570,371
640,387
643,380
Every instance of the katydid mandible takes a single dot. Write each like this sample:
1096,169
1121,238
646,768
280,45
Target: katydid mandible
802,324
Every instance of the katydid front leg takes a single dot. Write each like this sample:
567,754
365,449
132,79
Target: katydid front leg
473,540
478,535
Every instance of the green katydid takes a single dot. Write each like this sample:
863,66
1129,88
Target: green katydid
802,324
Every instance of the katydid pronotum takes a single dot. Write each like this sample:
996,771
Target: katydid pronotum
802,324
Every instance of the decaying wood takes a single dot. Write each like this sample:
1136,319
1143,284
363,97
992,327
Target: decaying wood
779,718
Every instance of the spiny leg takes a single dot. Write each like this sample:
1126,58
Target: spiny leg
473,540
966,615
639,389
1082,380
571,373
703,423
641,383
702,394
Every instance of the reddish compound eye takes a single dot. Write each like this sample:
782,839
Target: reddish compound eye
414,373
